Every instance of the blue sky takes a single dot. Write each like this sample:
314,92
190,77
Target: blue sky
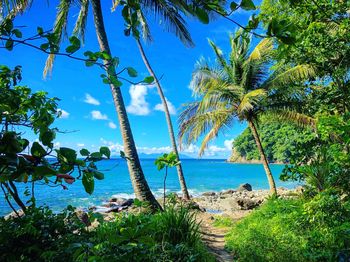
88,111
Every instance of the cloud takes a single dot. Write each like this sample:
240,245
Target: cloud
154,150
80,145
91,100
138,104
228,144
190,149
97,115
62,113
112,125
160,107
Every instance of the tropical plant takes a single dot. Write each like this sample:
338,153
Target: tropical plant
166,161
136,24
241,88
27,164
140,185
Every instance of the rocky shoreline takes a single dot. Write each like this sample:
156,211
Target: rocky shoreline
228,201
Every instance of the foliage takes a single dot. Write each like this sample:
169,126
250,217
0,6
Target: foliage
38,162
323,162
172,235
320,29
279,141
40,235
294,230
166,161
222,221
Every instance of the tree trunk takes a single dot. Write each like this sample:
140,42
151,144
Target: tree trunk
168,120
139,183
272,184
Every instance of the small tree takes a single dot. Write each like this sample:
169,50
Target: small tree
166,161
37,162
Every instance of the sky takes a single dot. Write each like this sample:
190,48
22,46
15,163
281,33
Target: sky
88,118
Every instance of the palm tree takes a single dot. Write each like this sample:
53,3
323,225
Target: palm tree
140,185
240,87
177,26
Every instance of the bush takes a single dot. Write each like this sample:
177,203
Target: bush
41,235
294,230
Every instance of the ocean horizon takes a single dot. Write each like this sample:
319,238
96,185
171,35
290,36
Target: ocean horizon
202,175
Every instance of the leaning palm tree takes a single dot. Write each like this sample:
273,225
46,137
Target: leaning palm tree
240,87
141,24
140,185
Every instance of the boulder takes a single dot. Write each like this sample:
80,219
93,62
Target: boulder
248,204
245,187
127,202
83,217
117,200
228,192
209,194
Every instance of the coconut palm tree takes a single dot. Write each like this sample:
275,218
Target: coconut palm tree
176,21
240,87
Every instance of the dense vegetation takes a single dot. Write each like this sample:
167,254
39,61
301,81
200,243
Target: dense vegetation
280,141
42,235
294,230
298,72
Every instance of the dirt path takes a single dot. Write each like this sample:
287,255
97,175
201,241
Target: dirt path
214,237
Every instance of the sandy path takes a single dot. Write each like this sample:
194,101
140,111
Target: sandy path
214,237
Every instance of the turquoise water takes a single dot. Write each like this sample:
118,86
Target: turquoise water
201,176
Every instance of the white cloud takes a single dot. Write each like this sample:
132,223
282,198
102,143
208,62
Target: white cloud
62,113
190,149
57,144
97,115
114,147
160,107
228,144
91,100
154,150
80,144
138,104
112,125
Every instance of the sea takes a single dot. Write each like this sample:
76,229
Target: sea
201,175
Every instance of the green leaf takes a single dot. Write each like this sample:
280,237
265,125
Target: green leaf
202,15
122,154
72,49
148,80
17,33
44,171
47,137
90,62
45,46
40,30
88,182
98,175
114,81
69,154
9,45
248,5
233,6
131,72
37,150
105,151
96,155
84,152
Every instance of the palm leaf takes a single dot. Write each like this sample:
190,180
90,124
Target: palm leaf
250,99
80,24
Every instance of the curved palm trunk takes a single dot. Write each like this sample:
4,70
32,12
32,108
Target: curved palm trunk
272,184
141,188
168,120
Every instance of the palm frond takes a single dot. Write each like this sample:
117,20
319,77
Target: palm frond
60,31
293,117
298,73
170,18
218,53
146,32
262,51
9,9
80,24
250,99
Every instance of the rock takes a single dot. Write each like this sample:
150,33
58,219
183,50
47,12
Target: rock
245,187
83,216
247,204
14,215
209,194
110,204
117,200
299,189
228,192
127,202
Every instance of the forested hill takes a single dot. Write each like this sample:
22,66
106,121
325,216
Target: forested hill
279,141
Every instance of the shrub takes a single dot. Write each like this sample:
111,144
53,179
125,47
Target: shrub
294,230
